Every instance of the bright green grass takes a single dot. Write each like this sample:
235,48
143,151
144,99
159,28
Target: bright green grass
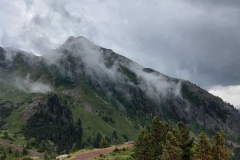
92,122
9,154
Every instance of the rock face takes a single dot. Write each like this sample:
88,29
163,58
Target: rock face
133,89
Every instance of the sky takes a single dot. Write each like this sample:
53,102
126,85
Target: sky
195,40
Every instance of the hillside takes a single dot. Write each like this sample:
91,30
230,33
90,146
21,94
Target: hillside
81,92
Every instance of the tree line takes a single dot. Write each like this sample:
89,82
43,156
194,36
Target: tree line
54,122
166,143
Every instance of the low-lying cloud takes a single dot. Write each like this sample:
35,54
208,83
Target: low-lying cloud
26,85
195,40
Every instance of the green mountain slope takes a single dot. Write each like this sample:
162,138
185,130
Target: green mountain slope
81,92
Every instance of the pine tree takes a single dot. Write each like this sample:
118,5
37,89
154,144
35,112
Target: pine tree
202,148
158,134
4,156
45,155
142,146
28,145
220,152
114,135
17,153
9,150
104,143
171,150
185,141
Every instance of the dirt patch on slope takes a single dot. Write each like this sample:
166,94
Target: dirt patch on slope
31,109
97,152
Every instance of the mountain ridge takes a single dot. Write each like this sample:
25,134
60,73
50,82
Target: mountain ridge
96,84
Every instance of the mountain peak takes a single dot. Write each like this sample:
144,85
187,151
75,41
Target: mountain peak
79,42
79,39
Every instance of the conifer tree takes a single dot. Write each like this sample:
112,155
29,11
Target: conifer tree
46,156
24,152
171,150
142,146
202,148
104,143
4,156
158,135
114,135
220,152
185,141
16,153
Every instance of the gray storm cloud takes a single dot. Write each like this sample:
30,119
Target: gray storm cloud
194,40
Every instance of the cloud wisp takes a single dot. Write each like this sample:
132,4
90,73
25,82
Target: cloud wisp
26,85
192,40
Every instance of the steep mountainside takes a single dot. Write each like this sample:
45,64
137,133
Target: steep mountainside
83,89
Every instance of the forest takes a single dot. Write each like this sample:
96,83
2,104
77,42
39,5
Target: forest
164,142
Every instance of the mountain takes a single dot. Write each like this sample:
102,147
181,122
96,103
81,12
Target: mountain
80,92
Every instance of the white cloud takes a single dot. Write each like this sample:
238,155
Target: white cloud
231,94
170,36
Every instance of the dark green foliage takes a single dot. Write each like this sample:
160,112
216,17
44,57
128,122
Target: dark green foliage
171,150
46,156
2,54
16,154
97,140
220,152
24,152
165,143
104,143
58,78
125,137
131,75
4,156
28,145
108,119
74,148
194,99
5,111
215,108
236,153
55,122
185,141
114,135
20,62
9,150
212,107
116,150
202,148
158,134
143,146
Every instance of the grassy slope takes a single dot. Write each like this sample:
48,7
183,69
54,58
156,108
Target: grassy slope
92,122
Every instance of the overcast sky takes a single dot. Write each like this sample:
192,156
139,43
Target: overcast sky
196,40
